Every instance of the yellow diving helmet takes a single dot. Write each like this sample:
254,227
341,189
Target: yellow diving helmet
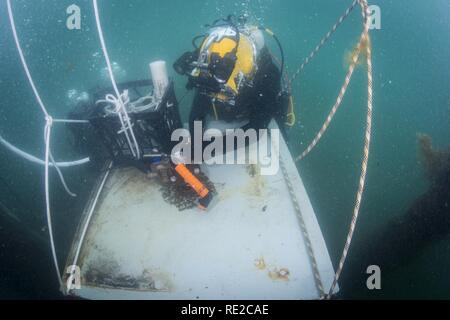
230,57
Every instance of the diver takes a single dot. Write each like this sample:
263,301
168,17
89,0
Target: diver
235,77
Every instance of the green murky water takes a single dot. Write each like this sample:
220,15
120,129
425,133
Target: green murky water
411,85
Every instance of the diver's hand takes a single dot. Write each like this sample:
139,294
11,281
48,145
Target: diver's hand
183,66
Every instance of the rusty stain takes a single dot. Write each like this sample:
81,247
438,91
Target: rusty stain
252,170
260,263
281,274
105,272
274,273
226,194
256,187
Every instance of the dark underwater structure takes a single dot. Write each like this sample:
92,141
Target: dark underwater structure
426,221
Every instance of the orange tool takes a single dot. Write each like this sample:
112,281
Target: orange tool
197,185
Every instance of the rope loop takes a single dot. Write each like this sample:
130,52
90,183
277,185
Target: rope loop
49,120
367,139
127,127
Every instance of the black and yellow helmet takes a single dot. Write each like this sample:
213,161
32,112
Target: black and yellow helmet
229,55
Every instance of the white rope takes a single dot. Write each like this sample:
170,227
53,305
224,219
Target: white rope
304,230
324,40
61,177
88,219
118,109
70,121
337,104
366,15
47,132
38,161
364,40
148,102
122,112
344,87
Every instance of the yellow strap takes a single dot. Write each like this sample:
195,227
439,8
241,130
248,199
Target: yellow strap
215,111
270,32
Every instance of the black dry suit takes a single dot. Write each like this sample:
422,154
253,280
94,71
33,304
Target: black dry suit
258,104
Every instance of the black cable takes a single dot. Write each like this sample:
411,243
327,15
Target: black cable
282,54
194,40
279,46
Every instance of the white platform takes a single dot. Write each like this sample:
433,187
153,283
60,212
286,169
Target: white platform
248,246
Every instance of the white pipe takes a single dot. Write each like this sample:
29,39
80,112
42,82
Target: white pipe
71,121
160,78
32,158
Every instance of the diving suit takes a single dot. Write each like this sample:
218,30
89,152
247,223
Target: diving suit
235,78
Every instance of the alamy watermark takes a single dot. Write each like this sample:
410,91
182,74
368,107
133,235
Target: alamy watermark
236,146
73,281
73,21
374,280
375,17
